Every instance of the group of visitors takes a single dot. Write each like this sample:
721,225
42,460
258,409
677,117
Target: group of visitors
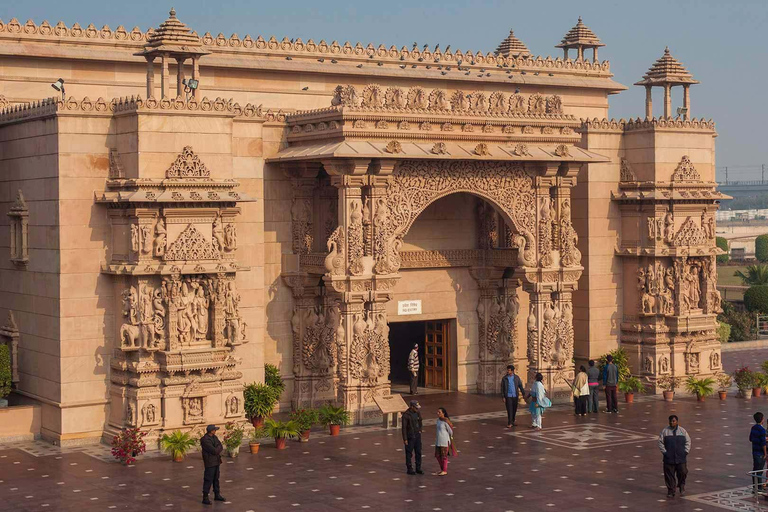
587,385
412,430
512,391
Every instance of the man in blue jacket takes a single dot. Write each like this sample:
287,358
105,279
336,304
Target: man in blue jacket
759,449
511,391
675,444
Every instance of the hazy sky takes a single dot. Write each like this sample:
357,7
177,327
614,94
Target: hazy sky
721,42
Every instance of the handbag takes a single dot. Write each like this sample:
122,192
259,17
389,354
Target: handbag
452,448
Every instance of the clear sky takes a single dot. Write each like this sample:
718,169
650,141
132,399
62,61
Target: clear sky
721,42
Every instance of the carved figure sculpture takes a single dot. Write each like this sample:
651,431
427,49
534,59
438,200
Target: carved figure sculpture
146,238
669,227
129,331
232,315
334,261
218,234
161,237
230,237
134,238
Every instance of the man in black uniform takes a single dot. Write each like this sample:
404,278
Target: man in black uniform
412,426
212,449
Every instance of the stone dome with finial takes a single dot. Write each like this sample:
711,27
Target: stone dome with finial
667,70
580,35
511,46
173,36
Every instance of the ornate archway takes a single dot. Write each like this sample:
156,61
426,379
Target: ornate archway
381,189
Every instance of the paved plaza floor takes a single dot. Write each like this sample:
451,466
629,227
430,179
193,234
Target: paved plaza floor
601,462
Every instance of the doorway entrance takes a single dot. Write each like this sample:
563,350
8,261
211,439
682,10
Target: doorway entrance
433,339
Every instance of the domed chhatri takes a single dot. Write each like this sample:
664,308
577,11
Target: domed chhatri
512,47
581,38
667,72
172,40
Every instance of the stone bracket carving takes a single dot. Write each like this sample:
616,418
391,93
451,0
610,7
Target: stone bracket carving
19,231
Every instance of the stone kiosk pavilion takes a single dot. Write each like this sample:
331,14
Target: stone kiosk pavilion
163,246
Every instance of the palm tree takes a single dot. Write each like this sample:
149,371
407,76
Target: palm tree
756,275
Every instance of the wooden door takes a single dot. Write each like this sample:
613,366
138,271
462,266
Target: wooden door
436,354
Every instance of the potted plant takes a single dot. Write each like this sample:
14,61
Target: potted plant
177,444
233,438
761,381
667,384
260,401
255,439
334,417
5,375
273,379
702,388
128,444
281,430
629,386
745,381
305,419
724,382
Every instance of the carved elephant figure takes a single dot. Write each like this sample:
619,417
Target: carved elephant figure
129,335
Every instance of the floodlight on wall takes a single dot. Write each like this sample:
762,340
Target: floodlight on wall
682,111
190,84
59,86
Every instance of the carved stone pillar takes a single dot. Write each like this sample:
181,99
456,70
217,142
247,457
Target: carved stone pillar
150,76
165,77
667,101
303,181
385,252
648,102
180,76
497,312
348,239
687,101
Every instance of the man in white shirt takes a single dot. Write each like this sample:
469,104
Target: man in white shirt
413,368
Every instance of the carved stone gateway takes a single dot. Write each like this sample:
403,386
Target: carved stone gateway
339,323
174,268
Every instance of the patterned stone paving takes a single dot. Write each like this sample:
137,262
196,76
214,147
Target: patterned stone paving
601,462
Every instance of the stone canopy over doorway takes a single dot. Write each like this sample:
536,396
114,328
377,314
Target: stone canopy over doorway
365,169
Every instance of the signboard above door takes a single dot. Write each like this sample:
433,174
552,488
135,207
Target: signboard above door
409,307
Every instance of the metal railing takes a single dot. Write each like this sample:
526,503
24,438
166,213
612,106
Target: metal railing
759,485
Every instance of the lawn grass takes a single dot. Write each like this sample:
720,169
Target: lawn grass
725,275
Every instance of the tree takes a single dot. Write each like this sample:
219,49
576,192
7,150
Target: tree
756,299
722,243
5,371
742,323
761,248
757,275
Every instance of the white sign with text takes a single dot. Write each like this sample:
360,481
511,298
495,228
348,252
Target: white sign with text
409,307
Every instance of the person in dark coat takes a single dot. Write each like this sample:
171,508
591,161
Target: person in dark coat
212,449
511,392
675,444
412,427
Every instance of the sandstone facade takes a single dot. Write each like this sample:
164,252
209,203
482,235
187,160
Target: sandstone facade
164,241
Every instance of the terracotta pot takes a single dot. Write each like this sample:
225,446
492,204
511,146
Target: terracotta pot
668,396
722,394
304,436
629,398
334,429
757,391
280,443
700,398
254,447
746,393
257,421
179,457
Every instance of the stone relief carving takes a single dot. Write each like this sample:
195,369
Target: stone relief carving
669,227
149,415
369,351
685,171
234,327
554,105
625,171
232,406
334,261
545,232
648,365
690,234
135,239
301,227
193,410
355,240
708,225
664,365
655,228
714,361
557,334
656,286
192,245
319,349
499,338
416,184
536,104
570,255
161,238
187,165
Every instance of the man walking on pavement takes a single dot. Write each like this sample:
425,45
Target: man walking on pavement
412,426
510,385
593,379
610,381
675,444
413,368
759,450
212,449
